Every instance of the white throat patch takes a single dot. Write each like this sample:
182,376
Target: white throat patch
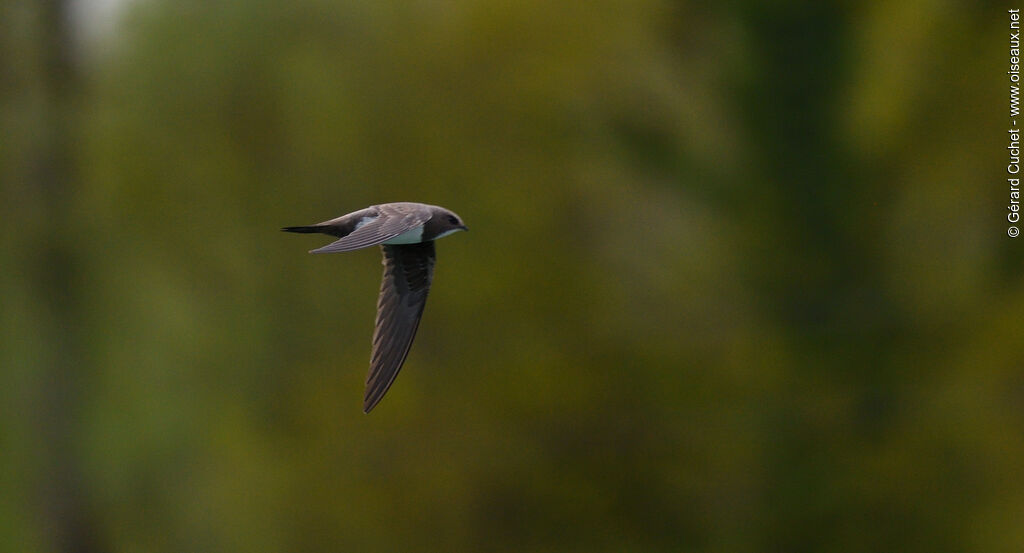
447,232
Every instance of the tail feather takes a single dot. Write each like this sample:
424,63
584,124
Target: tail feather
305,230
321,228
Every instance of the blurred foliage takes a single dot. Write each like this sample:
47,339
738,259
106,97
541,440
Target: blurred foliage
737,278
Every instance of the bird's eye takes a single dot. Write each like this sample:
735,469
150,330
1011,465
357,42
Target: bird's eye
453,220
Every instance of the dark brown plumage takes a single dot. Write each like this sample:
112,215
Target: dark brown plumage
408,271
406,232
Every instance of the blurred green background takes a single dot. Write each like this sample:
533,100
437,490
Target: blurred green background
738,277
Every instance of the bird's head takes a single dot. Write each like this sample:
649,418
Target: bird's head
446,222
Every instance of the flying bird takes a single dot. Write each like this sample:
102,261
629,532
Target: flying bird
406,232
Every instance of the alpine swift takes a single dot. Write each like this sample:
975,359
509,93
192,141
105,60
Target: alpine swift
406,232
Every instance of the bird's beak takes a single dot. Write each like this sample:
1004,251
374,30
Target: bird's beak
464,227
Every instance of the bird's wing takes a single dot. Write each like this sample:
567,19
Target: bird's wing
408,271
389,223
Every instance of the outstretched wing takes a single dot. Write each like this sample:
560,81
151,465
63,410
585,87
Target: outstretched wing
408,271
391,221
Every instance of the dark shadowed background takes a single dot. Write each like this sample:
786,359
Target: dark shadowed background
738,278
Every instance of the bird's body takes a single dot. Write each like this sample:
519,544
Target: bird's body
406,232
